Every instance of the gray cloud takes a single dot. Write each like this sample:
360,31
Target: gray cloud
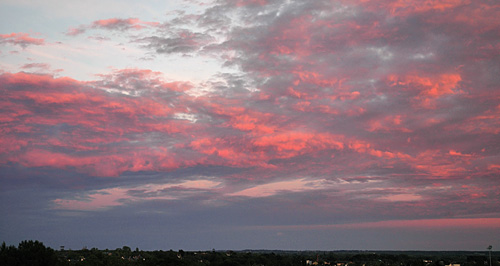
180,42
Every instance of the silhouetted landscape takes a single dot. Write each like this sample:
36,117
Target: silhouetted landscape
35,253
291,132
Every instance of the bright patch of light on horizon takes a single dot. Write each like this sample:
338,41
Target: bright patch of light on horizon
402,197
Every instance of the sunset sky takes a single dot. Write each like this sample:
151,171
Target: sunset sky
251,124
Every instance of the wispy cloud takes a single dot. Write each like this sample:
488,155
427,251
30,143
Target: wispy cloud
113,24
22,39
105,198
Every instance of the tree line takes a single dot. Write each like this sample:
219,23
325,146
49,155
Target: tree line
35,253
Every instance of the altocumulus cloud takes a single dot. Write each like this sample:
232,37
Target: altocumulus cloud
326,117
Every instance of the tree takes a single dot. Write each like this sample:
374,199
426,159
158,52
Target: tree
36,253
8,255
30,252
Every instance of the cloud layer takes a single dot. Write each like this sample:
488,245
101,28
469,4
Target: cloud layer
324,114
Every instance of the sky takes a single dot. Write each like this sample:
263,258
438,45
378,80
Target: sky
250,124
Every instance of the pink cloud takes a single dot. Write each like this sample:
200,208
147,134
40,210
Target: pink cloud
113,24
486,122
366,147
402,197
96,118
455,153
21,39
100,200
388,123
402,7
437,165
122,24
113,116
242,118
76,31
340,90
42,66
97,165
270,189
289,144
428,88
241,3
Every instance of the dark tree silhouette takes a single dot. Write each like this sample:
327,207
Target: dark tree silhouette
29,252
